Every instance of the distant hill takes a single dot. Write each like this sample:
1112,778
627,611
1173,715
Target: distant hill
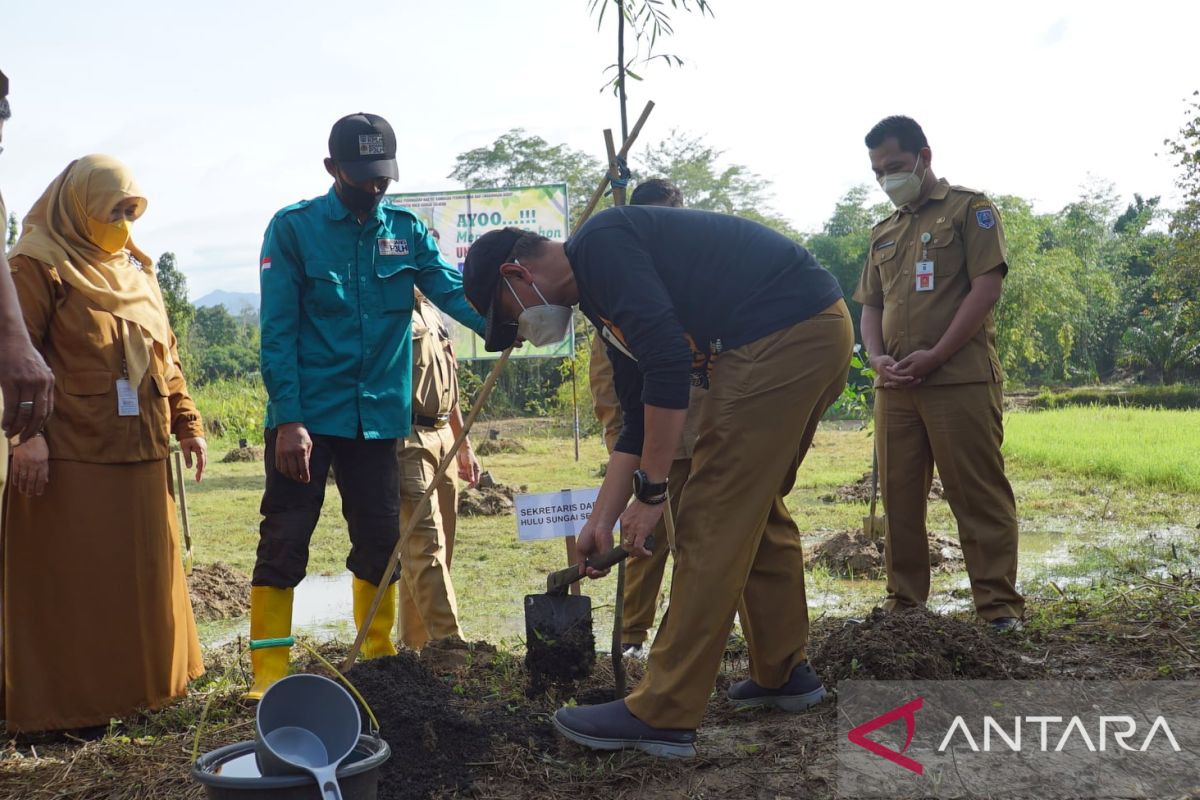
234,302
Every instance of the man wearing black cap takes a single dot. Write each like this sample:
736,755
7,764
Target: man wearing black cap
751,315
337,275
25,380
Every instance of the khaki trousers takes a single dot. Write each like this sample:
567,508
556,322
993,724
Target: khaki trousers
643,576
734,536
428,607
958,427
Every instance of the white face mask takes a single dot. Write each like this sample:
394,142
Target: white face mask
544,324
904,187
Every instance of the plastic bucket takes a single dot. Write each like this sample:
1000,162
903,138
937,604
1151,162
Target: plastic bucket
231,773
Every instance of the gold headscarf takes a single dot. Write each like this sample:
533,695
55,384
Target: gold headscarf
56,233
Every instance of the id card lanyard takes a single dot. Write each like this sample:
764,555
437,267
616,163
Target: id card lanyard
924,271
127,399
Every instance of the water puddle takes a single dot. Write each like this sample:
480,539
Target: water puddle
322,608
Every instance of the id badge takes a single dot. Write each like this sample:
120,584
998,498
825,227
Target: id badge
127,399
924,276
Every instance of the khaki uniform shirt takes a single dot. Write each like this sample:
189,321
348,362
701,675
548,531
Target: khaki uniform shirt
82,346
960,232
435,376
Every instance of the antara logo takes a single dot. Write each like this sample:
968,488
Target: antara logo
908,712
1122,729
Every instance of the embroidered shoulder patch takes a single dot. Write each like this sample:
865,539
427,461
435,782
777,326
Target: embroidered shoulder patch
986,218
265,265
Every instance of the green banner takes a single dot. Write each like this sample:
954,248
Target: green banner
458,218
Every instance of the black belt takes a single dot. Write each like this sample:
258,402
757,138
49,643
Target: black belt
440,421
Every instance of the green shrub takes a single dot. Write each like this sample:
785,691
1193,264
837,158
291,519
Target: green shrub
233,407
1175,396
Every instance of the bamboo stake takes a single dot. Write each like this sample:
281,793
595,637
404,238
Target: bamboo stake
419,506
618,658
596,195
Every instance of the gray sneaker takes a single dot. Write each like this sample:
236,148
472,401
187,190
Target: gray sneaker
803,690
611,726
634,651
1006,625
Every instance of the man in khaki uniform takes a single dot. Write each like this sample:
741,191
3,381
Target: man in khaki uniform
643,576
934,272
428,606
672,291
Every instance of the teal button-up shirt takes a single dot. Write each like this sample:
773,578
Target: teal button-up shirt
337,301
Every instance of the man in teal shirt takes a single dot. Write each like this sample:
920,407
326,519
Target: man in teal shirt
337,276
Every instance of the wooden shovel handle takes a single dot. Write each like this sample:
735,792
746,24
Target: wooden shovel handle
563,578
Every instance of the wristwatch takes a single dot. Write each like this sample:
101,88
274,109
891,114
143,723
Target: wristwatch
649,493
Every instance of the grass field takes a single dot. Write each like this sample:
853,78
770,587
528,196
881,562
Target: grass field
1141,447
1092,503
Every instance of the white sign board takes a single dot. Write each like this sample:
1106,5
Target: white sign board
546,516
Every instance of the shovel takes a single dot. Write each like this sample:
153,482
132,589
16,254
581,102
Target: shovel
187,529
874,528
560,647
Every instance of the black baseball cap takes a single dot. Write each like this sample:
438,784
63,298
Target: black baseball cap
364,146
481,278
3,86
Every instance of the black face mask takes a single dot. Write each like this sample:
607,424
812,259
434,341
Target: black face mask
359,201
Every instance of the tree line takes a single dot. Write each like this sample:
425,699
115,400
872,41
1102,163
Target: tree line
1097,291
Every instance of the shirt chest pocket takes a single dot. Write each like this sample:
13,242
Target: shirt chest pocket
945,250
397,278
889,266
326,288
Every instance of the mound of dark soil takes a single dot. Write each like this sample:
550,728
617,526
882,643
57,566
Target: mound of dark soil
491,447
487,499
483,503
252,453
916,644
433,743
860,491
853,554
218,591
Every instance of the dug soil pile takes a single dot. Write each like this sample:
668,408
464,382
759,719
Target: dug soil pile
487,499
491,447
252,453
433,743
851,554
860,491
218,592
915,644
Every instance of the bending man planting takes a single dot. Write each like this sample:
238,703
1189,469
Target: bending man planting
688,296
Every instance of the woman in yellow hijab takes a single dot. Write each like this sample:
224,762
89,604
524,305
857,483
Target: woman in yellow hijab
96,616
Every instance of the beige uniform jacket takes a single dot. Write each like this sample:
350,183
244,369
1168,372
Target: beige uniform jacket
435,384
81,345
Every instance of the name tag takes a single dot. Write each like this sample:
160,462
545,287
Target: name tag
924,275
127,399
393,247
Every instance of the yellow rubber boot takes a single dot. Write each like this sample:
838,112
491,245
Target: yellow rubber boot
270,625
379,636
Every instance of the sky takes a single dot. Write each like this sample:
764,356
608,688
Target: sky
223,109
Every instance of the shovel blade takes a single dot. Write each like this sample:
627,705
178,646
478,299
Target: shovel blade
875,528
559,644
